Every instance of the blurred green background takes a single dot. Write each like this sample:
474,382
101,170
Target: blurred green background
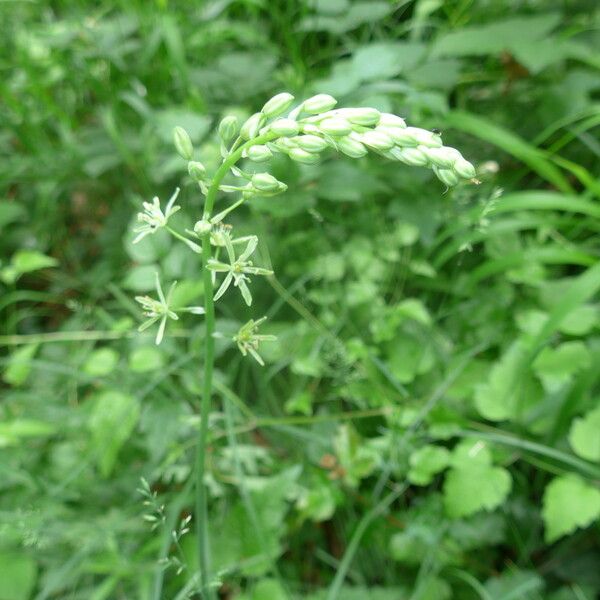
427,426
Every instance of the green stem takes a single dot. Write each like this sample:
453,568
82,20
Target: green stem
209,355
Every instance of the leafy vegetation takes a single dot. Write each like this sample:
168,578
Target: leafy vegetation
427,423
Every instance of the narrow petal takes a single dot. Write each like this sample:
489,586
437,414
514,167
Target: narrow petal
256,356
161,330
226,283
245,292
250,248
159,291
147,323
141,236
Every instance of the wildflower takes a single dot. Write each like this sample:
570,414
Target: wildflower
161,310
153,217
247,339
238,268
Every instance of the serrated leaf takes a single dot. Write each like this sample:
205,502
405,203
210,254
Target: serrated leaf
569,503
469,489
556,366
427,462
584,436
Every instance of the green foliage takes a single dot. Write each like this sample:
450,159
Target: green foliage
427,422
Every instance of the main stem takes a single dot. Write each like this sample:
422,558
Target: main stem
209,356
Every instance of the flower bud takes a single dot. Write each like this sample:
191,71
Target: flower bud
252,126
443,157
228,127
389,120
410,156
285,127
277,105
399,135
259,153
464,168
335,126
319,103
202,227
302,156
183,143
424,137
196,170
265,182
377,140
361,116
446,176
350,147
311,143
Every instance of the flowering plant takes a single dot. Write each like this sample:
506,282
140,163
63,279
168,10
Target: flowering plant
303,134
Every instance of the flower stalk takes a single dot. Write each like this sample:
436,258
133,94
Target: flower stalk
309,129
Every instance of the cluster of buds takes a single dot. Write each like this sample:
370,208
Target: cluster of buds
316,125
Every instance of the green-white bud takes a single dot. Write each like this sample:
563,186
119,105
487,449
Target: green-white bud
302,156
196,170
377,140
252,126
285,127
464,168
446,176
424,137
399,135
390,120
277,105
410,156
361,116
335,126
202,227
228,128
443,157
259,153
351,147
319,103
183,143
265,182
311,143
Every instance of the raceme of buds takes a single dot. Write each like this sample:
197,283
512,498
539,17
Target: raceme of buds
277,105
228,128
183,143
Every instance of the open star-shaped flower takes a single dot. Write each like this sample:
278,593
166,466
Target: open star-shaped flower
153,218
248,340
238,268
161,309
